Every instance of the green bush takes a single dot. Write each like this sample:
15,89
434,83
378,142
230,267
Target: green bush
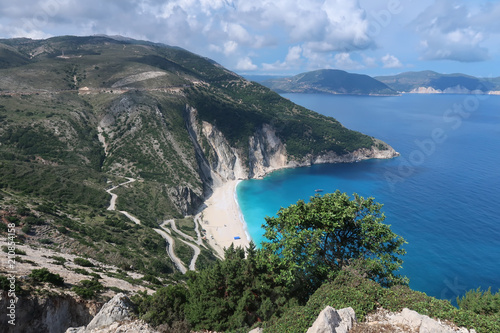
483,303
44,275
166,306
88,288
58,260
83,262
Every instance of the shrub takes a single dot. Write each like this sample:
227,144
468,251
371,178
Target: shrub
88,288
166,306
44,275
83,262
58,260
477,301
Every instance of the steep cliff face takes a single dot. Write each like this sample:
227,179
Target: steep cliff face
51,314
220,162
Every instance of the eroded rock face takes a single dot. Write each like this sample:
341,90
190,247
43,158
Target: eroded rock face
115,316
220,162
52,314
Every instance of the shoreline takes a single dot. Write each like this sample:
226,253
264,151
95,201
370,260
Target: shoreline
223,220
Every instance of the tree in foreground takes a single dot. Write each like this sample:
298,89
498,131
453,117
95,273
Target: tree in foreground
309,243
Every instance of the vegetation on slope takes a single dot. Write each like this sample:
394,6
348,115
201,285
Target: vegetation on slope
240,108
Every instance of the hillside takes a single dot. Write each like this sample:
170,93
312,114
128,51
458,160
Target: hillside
157,128
329,81
447,83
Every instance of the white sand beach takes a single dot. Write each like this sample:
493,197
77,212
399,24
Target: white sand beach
222,219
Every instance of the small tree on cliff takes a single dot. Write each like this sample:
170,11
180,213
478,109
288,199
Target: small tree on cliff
309,243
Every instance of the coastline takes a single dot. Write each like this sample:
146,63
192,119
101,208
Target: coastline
223,220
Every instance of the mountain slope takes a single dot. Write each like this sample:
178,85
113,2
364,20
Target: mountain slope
330,81
79,114
452,83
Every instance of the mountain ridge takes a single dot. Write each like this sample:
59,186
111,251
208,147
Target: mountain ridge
329,81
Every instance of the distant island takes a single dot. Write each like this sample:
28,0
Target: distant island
330,81
432,82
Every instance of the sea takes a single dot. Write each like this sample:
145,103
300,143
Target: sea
442,194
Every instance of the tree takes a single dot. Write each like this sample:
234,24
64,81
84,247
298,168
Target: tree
234,293
311,242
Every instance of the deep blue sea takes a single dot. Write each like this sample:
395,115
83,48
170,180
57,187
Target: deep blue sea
442,194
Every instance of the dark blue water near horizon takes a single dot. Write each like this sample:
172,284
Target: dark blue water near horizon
442,194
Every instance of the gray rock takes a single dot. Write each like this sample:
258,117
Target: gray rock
257,330
117,309
115,316
333,321
422,323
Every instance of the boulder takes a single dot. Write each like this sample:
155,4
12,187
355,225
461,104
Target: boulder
333,321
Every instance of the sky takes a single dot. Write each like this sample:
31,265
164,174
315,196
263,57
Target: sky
286,37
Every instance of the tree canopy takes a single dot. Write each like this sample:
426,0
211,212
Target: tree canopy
311,242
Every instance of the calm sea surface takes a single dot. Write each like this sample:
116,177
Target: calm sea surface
442,194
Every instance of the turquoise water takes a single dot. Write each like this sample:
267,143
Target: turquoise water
442,194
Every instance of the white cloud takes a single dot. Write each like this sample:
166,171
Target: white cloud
293,59
230,47
246,64
390,61
369,62
453,31
344,61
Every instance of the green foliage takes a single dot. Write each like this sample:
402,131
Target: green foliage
480,302
165,306
16,250
239,110
88,288
311,242
83,262
234,293
44,275
58,260
6,283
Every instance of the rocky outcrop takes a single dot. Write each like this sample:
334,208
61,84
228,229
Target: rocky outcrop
115,316
266,152
185,199
51,314
406,321
334,321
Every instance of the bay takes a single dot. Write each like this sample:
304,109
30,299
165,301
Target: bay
442,194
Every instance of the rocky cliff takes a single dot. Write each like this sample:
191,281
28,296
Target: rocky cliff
219,161
47,313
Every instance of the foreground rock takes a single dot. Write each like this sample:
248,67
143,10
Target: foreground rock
46,313
115,316
406,321
334,321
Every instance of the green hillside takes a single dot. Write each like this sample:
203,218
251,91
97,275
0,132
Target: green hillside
330,81
79,114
